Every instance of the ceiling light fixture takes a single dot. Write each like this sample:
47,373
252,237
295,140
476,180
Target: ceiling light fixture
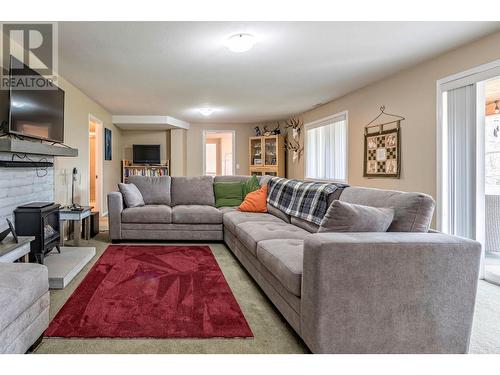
497,110
240,42
206,111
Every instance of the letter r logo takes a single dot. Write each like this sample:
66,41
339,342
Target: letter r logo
34,44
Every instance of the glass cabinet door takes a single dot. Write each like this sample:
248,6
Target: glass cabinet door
256,173
270,148
256,152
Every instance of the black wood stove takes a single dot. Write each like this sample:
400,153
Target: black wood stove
39,219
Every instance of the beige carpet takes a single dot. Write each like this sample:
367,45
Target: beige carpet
272,333
486,329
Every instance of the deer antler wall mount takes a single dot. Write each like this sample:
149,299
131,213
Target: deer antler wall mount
295,147
275,131
296,124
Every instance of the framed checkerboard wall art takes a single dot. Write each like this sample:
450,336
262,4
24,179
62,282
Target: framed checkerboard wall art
383,147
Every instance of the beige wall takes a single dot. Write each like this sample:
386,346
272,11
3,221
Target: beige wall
412,94
195,146
145,137
77,108
178,152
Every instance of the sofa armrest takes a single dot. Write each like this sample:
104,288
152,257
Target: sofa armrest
388,292
115,208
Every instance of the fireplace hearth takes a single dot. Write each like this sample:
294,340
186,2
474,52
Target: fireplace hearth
39,219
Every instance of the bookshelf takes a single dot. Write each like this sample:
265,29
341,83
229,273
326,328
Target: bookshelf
129,169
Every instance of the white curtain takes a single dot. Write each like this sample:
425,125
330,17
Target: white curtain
460,161
326,150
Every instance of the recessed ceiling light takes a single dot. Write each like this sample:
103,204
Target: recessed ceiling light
206,111
240,42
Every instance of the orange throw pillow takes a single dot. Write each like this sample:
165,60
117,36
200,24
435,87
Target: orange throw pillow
255,201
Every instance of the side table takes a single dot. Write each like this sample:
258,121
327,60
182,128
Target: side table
66,214
10,251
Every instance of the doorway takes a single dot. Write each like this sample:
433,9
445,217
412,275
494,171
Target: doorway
218,152
95,189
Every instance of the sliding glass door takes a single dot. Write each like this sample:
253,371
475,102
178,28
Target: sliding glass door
461,154
459,160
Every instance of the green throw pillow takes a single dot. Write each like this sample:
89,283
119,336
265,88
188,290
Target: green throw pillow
228,194
252,184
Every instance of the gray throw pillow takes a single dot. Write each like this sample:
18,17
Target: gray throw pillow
131,195
348,217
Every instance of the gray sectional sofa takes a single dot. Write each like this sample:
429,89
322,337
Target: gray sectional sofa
24,305
178,208
406,290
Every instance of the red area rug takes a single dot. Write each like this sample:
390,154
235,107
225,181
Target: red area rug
152,291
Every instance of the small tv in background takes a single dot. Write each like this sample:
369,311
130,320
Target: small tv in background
146,154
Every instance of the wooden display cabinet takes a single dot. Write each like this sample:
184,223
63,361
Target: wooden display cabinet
267,155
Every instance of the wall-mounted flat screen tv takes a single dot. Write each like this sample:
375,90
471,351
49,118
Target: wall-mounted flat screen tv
146,154
35,113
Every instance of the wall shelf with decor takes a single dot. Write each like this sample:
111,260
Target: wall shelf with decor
129,169
267,155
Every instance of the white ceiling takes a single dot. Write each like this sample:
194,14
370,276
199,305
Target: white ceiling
172,68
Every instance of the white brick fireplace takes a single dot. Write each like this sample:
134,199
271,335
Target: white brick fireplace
23,185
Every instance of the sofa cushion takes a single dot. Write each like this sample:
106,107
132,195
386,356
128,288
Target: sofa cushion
284,259
196,214
131,195
255,201
154,190
304,224
264,180
152,213
412,211
172,227
228,194
251,233
242,179
278,213
250,185
21,284
233,218
193,190
225,210
349,217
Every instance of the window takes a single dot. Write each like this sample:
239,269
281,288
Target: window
326,148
